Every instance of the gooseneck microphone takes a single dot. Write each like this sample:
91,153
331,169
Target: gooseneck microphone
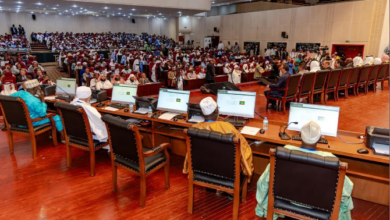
283,135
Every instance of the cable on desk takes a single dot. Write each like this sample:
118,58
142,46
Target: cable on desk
349,142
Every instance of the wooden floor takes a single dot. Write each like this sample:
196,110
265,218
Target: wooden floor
44,188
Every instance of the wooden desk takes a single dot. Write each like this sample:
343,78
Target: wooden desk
191,84
149,89
221,78
247,77
219,70
368,172
163,78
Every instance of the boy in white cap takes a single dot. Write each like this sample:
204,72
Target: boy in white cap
210,111
310,134
98,128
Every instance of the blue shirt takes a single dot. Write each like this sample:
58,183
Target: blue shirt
290,70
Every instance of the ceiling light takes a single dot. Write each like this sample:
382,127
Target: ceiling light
38,3
179,12
159,14
60,13
108,16
58,5
213,2
32,12
46,13
18,2
66,10
54,8
81,8
131,13
74,6
119,8
133,9
119,13
106,7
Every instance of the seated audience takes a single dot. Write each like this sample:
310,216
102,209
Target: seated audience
310,134
191,73
281,84
94,81
143,80
259,71
236,75
117,79
8,89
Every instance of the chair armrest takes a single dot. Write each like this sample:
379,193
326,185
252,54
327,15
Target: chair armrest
278,89
157,150
41,118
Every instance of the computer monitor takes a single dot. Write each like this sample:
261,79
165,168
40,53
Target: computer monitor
173,100
66,86
123,94
327,117
236,103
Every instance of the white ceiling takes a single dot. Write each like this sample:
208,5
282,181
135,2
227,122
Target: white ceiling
64,7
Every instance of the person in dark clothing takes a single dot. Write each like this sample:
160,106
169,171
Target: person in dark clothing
14,30
284,54
165,51
275,68
21,30
281,84
278,53
210,73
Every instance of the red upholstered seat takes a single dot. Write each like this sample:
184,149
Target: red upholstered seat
8,78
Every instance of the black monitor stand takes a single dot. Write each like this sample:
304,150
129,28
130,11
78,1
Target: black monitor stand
236,122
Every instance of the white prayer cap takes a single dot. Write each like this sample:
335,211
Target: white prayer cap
83,92
377,61
311,132
208,105
131,75
235,66
31,83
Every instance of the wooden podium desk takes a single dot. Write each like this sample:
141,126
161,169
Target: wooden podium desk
368,172
192,84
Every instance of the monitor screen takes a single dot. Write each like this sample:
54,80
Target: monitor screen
123,94
173,100
236,103
327,117
66,86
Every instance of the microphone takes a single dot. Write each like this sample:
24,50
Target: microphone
69,99
283,135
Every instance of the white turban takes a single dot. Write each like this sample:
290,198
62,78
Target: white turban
311,132
357,61
83,92
377,61
208,105
369,60
314,66
131,75
31,83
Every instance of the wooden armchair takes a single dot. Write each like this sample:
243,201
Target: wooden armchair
343,82
363,79
17,119
296,177
353,79
130,154
306,86
332,83
222,173
383,74
78,132
319,84
290,92
372,78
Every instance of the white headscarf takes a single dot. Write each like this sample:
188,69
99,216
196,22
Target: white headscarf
315,66
377,61
83,92
7,90
357,61
369,60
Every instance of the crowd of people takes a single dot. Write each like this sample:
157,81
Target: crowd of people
14,41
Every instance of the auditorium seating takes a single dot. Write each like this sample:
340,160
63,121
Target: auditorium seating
132,156
290,92
296,177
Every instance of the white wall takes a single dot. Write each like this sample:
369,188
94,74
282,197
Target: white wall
77,24
326,24
385,32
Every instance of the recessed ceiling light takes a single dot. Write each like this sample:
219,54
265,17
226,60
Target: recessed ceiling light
54,8
119,8
66,10
38,3
119,13
213,2
179,12
32,12
46,13
133,9
60,13
74,6
106,7
17,2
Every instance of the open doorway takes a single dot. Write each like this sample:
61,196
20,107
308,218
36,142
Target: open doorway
350,50
214,41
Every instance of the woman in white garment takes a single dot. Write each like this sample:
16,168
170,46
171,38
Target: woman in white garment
228,72
154,70
236,75
245,68
180,80
136,65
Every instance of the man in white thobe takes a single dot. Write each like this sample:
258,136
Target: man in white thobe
98,128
